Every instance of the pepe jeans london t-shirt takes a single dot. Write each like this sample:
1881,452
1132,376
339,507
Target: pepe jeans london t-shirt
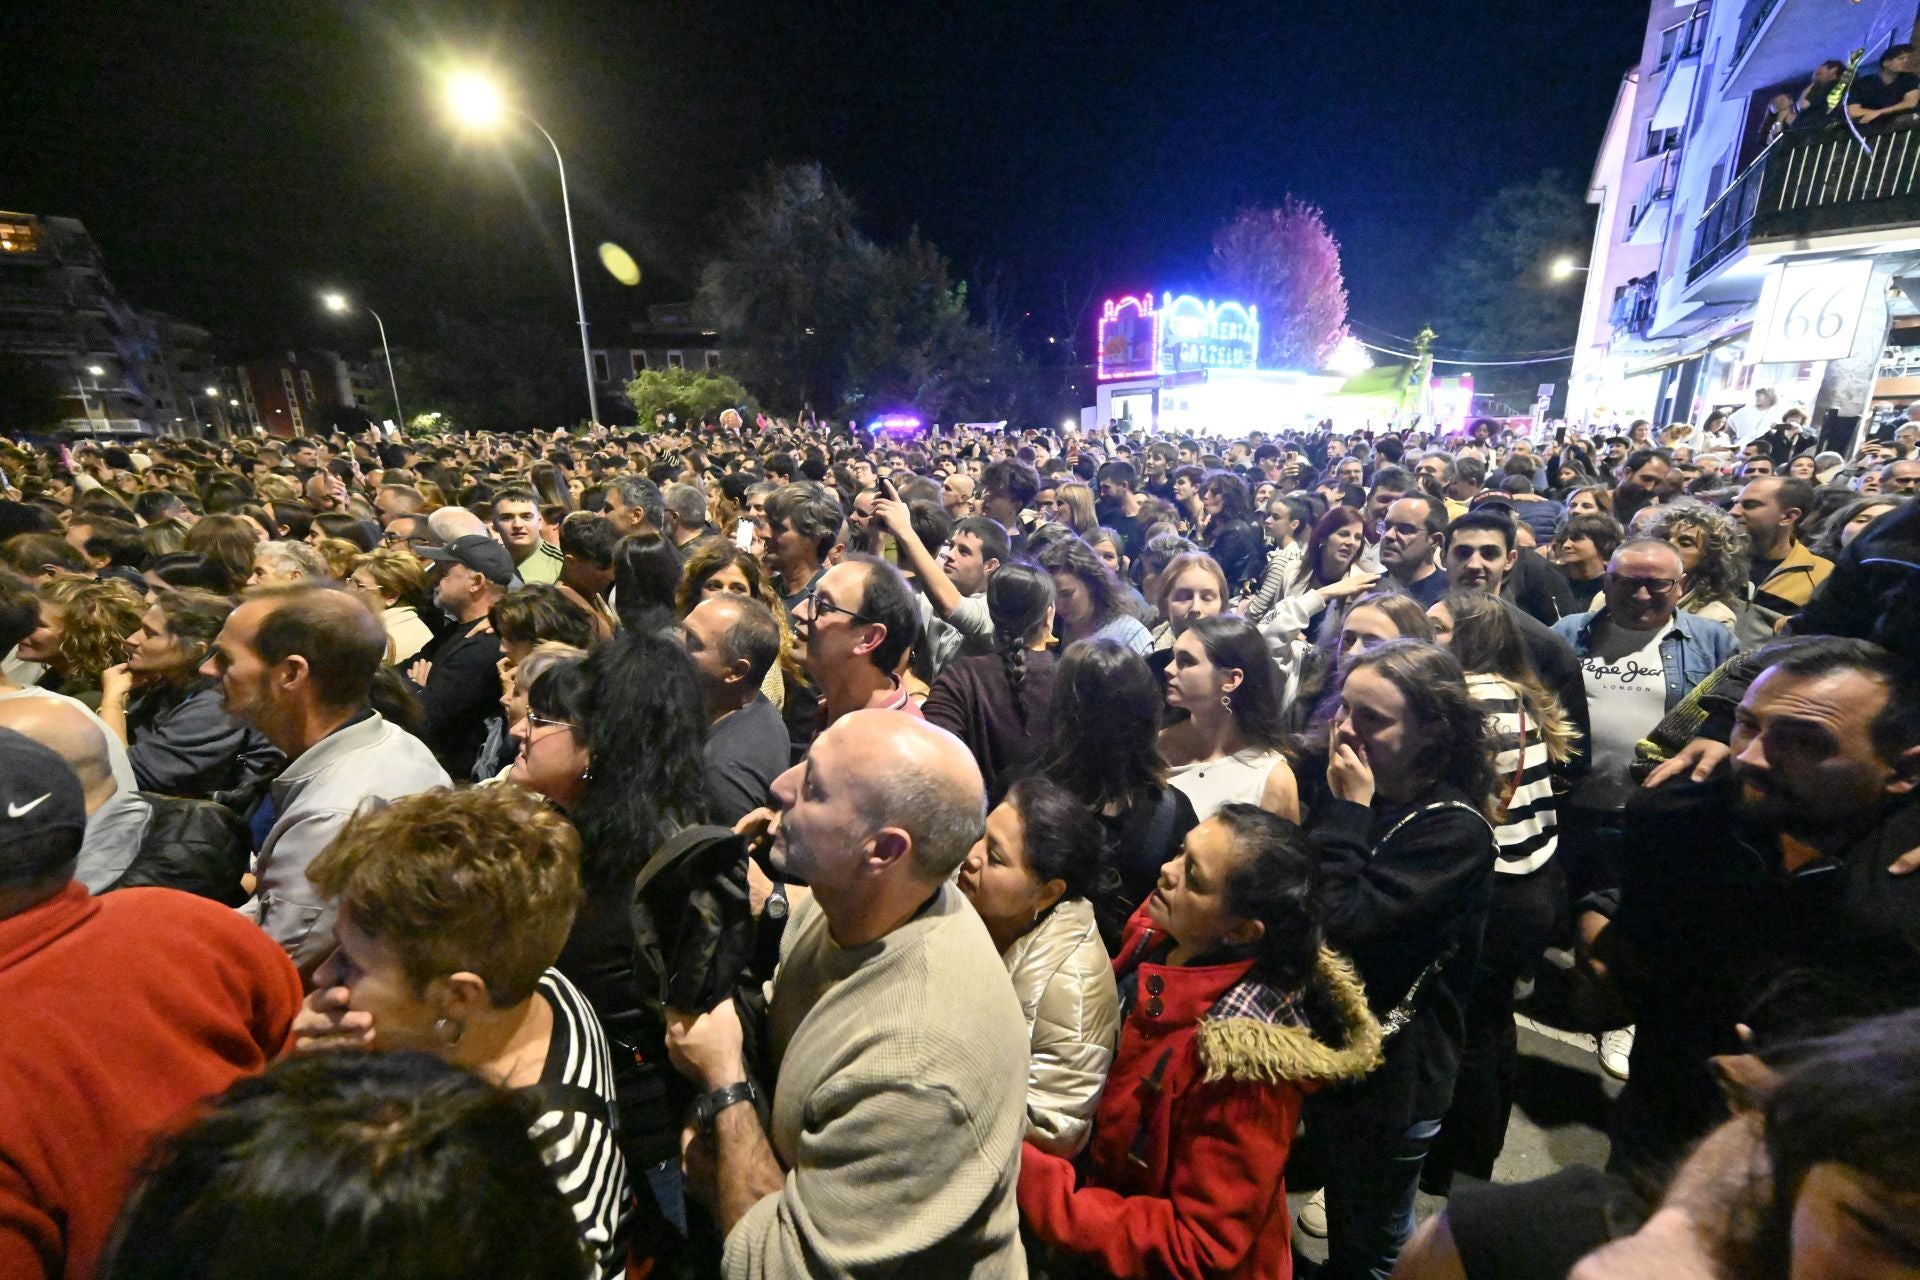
1626,696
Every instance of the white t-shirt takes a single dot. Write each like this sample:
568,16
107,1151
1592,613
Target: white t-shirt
1626,697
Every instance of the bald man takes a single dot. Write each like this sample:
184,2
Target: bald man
900,1053
116,819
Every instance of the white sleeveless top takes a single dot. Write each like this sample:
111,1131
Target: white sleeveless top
1236,779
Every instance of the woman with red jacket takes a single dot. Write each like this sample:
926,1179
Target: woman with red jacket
1233,1011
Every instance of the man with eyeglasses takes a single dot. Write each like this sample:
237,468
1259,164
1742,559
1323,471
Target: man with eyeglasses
857,624
1639,656
410,534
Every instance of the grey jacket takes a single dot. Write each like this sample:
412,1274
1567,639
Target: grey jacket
1064,980
361,764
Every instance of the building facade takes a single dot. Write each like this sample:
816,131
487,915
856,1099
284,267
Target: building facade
669,338
1732,254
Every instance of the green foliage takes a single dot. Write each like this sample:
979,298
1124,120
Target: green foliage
1287,263
788,286
30,396
812,312
496,375
1493,291
916,346
690,394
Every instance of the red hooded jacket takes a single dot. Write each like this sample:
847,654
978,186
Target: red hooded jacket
1190,1140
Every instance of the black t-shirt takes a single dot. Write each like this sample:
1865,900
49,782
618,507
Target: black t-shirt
1875,92
1761,571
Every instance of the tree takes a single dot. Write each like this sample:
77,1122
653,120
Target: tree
916,346
689,394
788,287
495,375
30,396
1494,294
1287,263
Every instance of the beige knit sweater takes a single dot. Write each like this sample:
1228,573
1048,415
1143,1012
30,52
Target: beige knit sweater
898,1106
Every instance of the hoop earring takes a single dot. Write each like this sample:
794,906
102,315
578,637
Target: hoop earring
1226,700
448,1032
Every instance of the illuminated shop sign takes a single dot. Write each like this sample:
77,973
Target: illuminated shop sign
1183,335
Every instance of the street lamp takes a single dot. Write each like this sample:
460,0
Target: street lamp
476,102
337,303
1565,268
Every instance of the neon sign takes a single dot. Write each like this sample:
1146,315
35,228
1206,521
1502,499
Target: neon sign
1129,338
1183,335
1207,335
896,426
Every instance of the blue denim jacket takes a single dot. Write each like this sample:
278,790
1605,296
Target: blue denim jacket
1691,649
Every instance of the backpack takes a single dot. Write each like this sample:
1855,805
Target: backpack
195,846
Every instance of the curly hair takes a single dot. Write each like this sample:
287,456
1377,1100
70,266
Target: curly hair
96,619
485,881
1722,571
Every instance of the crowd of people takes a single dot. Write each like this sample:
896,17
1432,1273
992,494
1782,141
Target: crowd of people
768,850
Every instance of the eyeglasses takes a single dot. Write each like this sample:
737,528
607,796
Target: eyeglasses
816,606
1652,586
537,721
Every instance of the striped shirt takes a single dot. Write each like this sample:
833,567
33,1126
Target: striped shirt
1529,832
575,1129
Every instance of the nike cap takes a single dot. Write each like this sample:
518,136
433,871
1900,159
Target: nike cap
43,812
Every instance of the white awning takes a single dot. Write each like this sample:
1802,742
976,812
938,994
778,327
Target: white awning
1676,95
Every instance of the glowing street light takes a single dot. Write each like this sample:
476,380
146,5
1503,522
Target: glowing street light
1349,358
1565,268
336,302
475,101
96,371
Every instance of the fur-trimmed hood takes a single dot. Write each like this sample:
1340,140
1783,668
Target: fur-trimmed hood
1253,1049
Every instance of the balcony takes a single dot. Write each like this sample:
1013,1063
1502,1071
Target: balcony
1808,185
1781,41
1657,194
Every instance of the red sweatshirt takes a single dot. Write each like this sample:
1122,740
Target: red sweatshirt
1191,1137
117,1015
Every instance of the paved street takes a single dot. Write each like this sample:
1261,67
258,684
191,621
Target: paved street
1558,1120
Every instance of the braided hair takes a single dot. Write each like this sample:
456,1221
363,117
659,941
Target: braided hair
1018,598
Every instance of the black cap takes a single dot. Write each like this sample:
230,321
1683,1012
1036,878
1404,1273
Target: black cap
479,553
43,811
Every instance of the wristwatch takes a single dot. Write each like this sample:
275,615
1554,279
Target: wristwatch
707,1106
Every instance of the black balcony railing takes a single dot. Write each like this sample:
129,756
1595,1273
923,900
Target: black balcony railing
1812,184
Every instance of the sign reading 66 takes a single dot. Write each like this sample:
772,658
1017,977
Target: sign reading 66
1811,310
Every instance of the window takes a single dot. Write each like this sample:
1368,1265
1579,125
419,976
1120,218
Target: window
639,359
675,360
19,237
1659,141
1669,42
306,384
713,359
600,367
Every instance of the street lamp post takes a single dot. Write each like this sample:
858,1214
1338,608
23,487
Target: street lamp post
337,303
477,102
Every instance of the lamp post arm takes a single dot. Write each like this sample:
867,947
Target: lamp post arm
392,381
573,257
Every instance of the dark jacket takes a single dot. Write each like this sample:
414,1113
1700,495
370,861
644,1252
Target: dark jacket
184,743
1716,932
1241,553
1007,731
1406,890
1558,668
194,846
461,695
1539,589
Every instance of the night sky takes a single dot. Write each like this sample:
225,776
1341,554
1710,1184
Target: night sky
232,158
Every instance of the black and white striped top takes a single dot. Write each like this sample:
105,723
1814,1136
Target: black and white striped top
575,1127
1528,835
